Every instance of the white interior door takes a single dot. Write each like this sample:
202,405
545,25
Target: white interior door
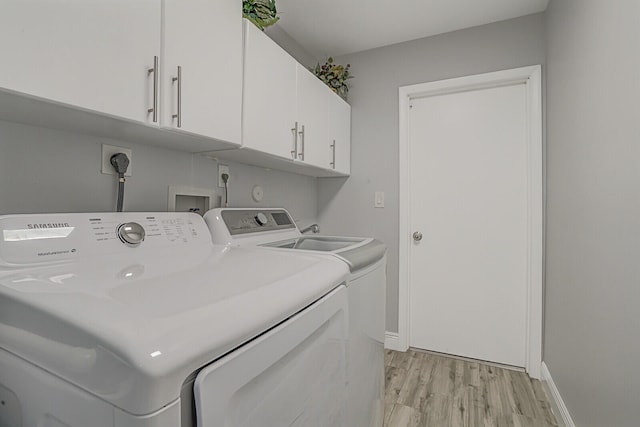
468,197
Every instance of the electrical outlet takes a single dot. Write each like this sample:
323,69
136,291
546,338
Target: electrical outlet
222,169
110,150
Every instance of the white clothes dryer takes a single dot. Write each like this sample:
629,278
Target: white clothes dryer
274,230
139,320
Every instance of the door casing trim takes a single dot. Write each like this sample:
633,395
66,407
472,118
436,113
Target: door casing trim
532,78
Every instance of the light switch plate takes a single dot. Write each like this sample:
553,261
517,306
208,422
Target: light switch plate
379,199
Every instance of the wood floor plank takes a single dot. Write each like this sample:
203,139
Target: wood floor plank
394,381
524,421
472,374
437,410
436,382
444,376
543,401
510,405
464,412
411,388
501,420
424,389
539,391
496,399
388,410
458,378
402,359
405,416
416,395
388,355
524,396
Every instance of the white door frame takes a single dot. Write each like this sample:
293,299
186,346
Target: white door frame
532,78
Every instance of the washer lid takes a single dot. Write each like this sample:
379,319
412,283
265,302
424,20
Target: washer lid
275,228
357,252
130,327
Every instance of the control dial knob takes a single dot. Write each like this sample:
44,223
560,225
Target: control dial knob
261,219
131,233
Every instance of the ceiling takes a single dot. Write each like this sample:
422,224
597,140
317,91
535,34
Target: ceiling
338,27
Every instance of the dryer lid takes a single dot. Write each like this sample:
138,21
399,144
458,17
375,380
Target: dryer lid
130,324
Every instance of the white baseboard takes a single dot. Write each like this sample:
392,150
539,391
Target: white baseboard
557,399
391,341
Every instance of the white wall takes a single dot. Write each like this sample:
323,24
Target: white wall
592,342
345,206
43,170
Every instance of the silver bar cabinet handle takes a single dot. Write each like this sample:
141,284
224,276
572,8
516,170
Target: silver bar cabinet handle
301,154
333,154
154,70
179,80
294,152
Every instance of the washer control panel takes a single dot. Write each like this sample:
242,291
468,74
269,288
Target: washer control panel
261,219
41,238
244,221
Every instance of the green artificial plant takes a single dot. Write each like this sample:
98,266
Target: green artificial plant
335,76
261,12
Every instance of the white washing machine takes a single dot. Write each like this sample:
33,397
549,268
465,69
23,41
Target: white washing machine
274,230
138,320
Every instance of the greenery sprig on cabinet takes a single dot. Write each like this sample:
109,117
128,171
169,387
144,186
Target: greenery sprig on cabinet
262,13
334,75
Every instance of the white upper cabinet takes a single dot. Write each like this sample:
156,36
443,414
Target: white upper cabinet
339,135
269,104
111,68
87,54
202,39
286,111
169,73
313,118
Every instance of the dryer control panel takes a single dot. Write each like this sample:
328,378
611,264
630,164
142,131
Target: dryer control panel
43,238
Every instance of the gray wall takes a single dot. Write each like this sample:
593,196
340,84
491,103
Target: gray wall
592,343
294,49
346,206
43,170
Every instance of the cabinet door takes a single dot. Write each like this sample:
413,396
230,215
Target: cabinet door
269,105
340,134
313,98
204,39
90,54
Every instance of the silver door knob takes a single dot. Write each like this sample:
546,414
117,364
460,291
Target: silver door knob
417,236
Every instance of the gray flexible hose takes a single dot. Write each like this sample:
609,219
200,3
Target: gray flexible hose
120,192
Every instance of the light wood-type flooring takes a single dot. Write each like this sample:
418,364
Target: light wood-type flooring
425,389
